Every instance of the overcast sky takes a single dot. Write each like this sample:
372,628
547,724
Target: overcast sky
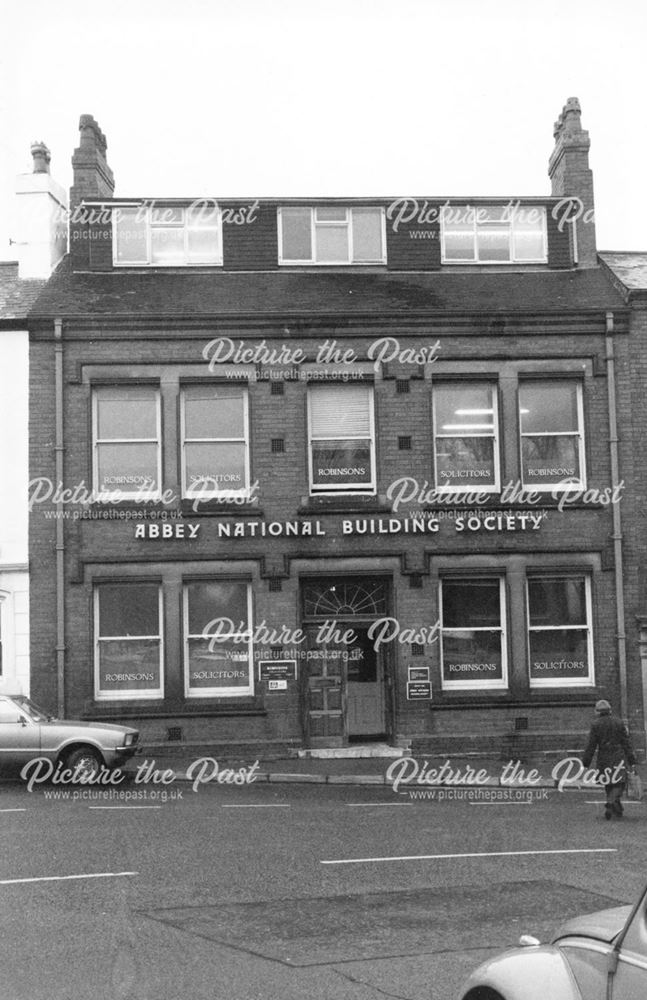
289,97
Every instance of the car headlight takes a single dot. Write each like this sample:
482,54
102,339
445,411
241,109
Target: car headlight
130,739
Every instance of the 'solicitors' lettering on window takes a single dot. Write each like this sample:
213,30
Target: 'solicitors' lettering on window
559,631
466,450
218,660
215,441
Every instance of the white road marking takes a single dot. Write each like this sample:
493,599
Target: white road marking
358,805
64,878
124,807
13,810
488,854
602,802
259,805
528,802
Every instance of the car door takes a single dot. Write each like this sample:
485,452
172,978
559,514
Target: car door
19,736
630,980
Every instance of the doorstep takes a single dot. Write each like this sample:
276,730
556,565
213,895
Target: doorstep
351,752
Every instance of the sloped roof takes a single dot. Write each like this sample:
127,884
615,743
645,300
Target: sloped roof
219,293
17,295
630,268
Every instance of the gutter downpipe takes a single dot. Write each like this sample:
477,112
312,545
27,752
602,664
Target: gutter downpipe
60,523
617,521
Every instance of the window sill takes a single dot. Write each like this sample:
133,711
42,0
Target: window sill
209,508
345,503
130,710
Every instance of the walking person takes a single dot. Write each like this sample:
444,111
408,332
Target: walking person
609,737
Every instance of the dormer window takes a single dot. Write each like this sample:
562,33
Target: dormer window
159,235
331,235
494,234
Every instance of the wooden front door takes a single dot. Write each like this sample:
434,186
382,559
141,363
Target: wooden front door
324,693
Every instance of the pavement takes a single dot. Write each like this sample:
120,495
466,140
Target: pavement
539,771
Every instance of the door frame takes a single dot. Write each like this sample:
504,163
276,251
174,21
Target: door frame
349,621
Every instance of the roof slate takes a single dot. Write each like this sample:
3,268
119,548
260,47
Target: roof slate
629,267
17,295
218,293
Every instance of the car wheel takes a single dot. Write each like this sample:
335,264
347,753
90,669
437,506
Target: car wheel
86,761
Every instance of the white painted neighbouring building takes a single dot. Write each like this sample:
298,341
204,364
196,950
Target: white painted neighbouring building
41,239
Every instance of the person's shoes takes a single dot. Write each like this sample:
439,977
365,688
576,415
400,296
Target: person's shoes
607,812
618,810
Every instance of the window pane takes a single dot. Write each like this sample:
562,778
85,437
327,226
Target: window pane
167,246
528,245
129,665
367,234
126,413
203,214
465,461
341,462
472,656
557,602
471,603
460,246
331,214
129,468
296,237
492,213
217,599
559,654
214,467
548,460
131,244
227,666
128,609
202,246
546,407
464,409
340,411
167,215
217,412
331,243
493,243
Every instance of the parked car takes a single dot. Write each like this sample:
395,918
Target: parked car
599,956
27,732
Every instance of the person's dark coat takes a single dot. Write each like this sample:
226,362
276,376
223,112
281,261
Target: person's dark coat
610,739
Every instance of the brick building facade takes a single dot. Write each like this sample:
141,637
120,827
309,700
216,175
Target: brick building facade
332,470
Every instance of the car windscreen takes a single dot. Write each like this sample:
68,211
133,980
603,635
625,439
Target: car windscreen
32,710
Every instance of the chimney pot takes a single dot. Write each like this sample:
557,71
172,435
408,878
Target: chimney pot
42,157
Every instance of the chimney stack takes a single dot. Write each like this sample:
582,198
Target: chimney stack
571,176
41,218
93,178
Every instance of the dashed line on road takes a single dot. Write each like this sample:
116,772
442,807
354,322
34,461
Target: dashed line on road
64,878
366,805
602,802
13,810
259,805
528,802
486,854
